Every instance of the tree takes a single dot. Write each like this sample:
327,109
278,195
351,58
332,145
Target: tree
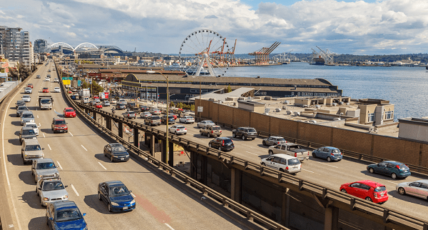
228,89
95,87
24,72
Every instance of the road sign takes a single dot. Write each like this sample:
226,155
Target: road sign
200,109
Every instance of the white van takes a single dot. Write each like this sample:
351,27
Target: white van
283,162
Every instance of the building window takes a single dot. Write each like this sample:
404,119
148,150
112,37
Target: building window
371,117
389,115
194,91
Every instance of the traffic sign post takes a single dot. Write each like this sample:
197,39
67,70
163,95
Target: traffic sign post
200,109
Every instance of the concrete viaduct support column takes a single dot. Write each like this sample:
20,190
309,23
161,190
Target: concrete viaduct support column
108,123
193,164
120,129
204,167
236,182
331,220
152,144
163,153
285,210
171,154
136,142
94,115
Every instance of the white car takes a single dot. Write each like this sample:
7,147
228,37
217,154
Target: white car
47,79
56,80
33,126
145,114
122,101
187,120
112,101
205,123
26,98
57,90
178,129
283,162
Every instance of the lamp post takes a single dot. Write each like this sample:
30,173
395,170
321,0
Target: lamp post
167,112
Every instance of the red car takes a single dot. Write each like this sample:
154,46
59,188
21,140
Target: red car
366,189
69,112
98,105
59,125
45,90
30,85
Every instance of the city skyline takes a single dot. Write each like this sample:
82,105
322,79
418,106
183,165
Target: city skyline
354,27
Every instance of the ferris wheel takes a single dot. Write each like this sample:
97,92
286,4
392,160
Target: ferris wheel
204,52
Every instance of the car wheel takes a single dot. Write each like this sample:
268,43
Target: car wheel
210,145
401,191
343,190
99,196
243,137
263,164
111,158
37,192
314,155
233,135
270,152
264,143
371,170
328,159
368,199
209,135
394,176
109,207
219,148
281,170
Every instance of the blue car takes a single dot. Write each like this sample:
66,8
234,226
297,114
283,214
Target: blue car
65,215
328,153
116,195
390,168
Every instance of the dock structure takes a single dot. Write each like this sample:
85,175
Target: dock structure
262,55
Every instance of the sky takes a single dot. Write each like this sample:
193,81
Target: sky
343,27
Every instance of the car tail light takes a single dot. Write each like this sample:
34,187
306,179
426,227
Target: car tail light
278,142
185,129
220,131
341,153
295,154
308,153
178,129
286,168
222,144
212,131
332,154
397,166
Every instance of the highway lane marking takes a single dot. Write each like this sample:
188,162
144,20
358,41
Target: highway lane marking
308,170
133,194
43,134
84,147
102,165
72,186
49,147
328,165
59,165
169,226
39,125
392,182
37,116
70,133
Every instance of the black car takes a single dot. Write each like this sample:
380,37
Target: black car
171,119
245,133
116,152
120,106
222,143
144,108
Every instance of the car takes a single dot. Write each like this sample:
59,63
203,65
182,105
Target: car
178,129
122,101
417,188
113,101
31,150
145,114
98,105
57,90
26,133
59,125
33,126
171,119
93,103
116,195
26,98
129,114
328,153
48,76
366,189
283,162
290,149
65,215
273,140
47,79
222,144
49,70
27,116
38,77
69,112
144,108
152,120
120,106
51,190
20,110
28,90
393,169
211,131
155,111
45,90
205,123
187,120
244,133
20,103
56,80
30,85
106,103
97,100
44,168
131,105
116,152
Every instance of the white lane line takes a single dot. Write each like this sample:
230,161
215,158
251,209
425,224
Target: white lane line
37,116
328,165
72,186
59,165
70,133
43,135
169,226
392,182
84,147
133,194
49,147
39,125
308,170
102,165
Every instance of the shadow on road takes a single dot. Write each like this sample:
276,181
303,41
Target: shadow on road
16,123
101,157
27,178
32,199
93,202
14,141
16,159
38,223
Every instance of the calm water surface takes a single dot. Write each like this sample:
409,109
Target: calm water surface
406,87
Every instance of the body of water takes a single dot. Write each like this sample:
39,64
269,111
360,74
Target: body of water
406,87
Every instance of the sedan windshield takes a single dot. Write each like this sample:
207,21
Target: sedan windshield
32,148
216,128
68,215
52,185
27,115
118,191
28,132
46,165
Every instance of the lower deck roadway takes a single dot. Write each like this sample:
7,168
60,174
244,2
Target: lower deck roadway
329,174
162,202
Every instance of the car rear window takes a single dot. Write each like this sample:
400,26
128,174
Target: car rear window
227,141
294,161
251,130
380,189
216,128
155,117
335,151
280,139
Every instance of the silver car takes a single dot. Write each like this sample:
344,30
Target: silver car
205,123
106,103
129,114
28,90
51,190
187,120
43,168
145,114
274,140
178,129
31,150
33,126
27,116
417,188
26,98
20,110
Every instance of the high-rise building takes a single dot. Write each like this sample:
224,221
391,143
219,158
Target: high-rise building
40,46
15,45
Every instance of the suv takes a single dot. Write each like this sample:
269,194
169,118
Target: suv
51,190
171,119
283,162
26,133
209,131
31,150
222,144
59,125
42,168
120,106
129,114
153,120
155,111
245,133
27,116
274,140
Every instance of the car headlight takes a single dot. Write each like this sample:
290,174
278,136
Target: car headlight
39,176
45,199
114,204
133,201
65,197
86,228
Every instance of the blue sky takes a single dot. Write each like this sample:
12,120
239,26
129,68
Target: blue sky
352,27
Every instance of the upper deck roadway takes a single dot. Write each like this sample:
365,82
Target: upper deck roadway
328,174
162,203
